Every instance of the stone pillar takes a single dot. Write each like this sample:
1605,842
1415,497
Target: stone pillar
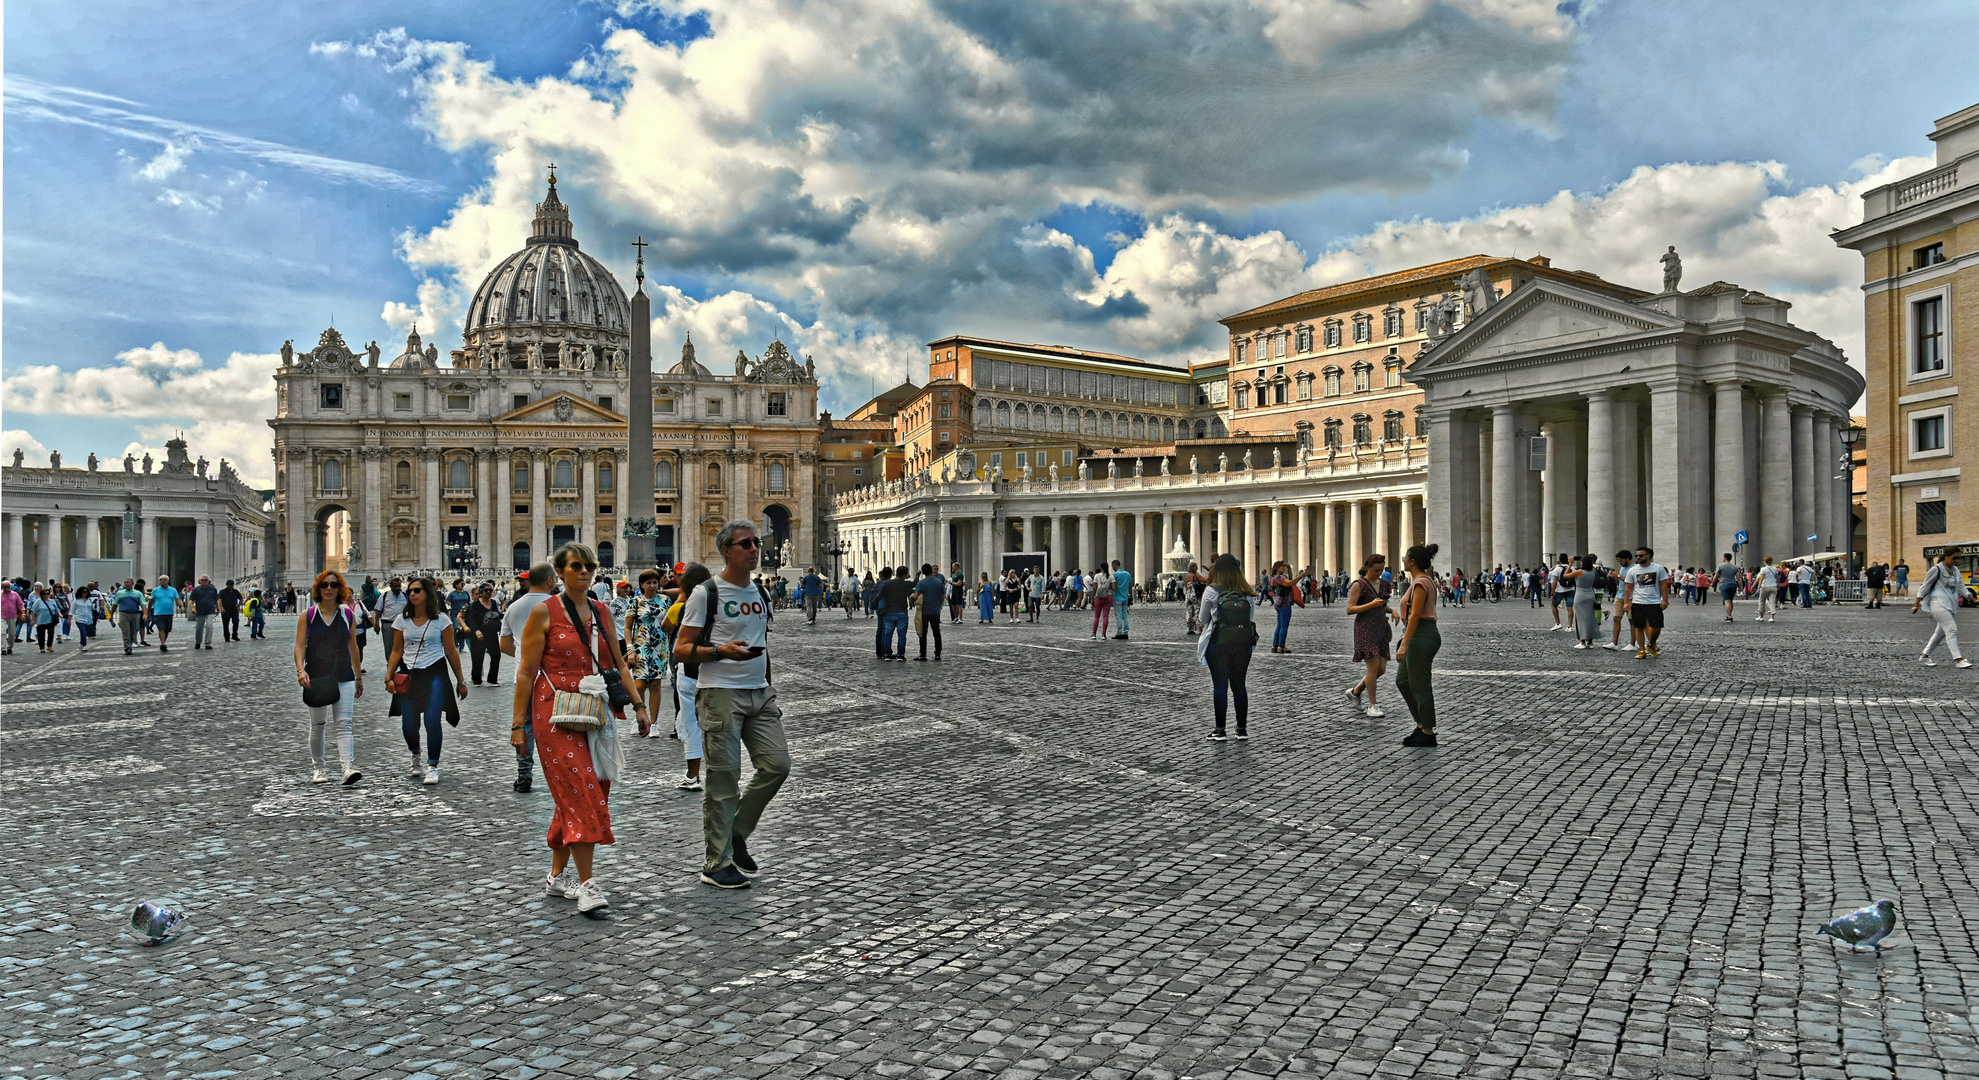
1676,474
1164,529
1505,466
1803,479
1407,537
1222,544
432,527
689,507
1775,478
1329,535
1303,529
587,497
1197,533
1821,466
1275,515
539,505
1465,523
1356,537
17,546
1378,508
1729,452
1562,489
1084,525
151,556
92,534
371,511
991,545
1601,478
297,559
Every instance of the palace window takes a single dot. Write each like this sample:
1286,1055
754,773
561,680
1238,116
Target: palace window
1928,255
983,413
563,476
1393,375
457,474
1243,397
1305,385
1333,434
1928,336
1363,327
459,402
402,402
1305,339
778,407
1927,432
518,401
1106,425
1055,382
1332,333
663,475
606,404
605,484
1422,316
1363,374
1242,348
1278,392
1391,322
1931,517
1363,429
714,406
715,477
521,478
1140,428
1092,423
1003,414
606,553
331,395
1057,419
1391,426
663,405
775,476
1422,422
402,476
333,474
1022,417
1167,430
1333,382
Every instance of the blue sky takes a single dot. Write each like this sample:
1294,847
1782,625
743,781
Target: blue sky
213,180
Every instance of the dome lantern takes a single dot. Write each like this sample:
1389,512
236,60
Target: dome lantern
552,224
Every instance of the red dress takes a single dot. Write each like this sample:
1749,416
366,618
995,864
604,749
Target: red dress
582,814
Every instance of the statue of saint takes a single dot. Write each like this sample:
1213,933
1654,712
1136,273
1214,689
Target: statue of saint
1139,465
432,356
92,462
147,463
130,463
1478,293
1164,466
1247,458
202,468
1085,470
1053,471
1223,461
288,352
1195,465
19,456
1027,472
741,363
1673,269
54,459
371,351
944,474
1274,457
1448,309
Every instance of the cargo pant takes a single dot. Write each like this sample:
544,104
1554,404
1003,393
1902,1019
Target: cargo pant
731,719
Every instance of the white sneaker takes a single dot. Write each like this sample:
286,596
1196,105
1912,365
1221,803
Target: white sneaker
1962,663
320,776
432,775
589,897
1374,712
1759,618
1610,646
1356,696
1927,661
1580,644
563,885
692,783
418,768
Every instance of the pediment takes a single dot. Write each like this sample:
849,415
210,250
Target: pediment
1544,316
562,408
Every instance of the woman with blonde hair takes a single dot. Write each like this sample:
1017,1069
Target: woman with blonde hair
423,651
326,656
567,638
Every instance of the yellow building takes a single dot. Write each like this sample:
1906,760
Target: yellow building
1919,240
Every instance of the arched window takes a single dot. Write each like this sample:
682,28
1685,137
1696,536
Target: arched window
1168,431
983,411
605,553
1363,373
1140,427
520,557
1057,418
1003,414
1202,429
1106,425
605,484
401,476
457,474
775,475
521,478
714,476
1091,426
1022,417
564,476
663,475
1217,428
1333,382
333,474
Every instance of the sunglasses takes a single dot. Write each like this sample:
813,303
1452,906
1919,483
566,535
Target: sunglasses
746,542
575,565
415,591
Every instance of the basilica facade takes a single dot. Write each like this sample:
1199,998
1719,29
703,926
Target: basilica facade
519,443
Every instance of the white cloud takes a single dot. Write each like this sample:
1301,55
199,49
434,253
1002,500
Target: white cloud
169,162
223,410
33,453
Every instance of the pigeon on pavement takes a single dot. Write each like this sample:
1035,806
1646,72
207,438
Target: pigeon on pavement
1865,926
155,921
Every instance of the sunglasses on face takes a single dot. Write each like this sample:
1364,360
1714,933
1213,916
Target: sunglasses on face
585,567
746,542
415,591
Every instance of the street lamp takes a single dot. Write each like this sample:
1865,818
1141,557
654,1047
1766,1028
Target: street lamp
463,556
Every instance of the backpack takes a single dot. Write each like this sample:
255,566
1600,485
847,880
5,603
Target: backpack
1233,620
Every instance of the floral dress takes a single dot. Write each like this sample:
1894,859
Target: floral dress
582,814
646,651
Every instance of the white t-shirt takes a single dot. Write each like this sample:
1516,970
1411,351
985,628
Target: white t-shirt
1644,581
424,645
517,615
741,616
1769,575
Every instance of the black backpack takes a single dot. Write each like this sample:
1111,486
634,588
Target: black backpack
1233,620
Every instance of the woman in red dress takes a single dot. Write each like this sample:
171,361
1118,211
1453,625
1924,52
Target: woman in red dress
554,657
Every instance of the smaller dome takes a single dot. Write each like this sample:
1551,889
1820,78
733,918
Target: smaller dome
689,366
412,357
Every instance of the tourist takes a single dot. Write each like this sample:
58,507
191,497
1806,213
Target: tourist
1102,601
1556,579
205,601
1769,592
1619,593
686,724
391,604
723,633
1806,575
1940,594
1585,581
43,615
1872,585
480,625
1229,634
1039,584
896,594
128,602
1900,579
540,580
1367,602
87,608
1194,583
1648,584
645,636
558,650
1420,641
458,598
1282,591
257,616
423,648
1123,597
848,593
812,589
958,593
164,603
929,593
326,650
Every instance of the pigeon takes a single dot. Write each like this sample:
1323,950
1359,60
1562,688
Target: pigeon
154,920
1865,926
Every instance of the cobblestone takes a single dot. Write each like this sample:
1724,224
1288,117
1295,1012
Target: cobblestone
1033,868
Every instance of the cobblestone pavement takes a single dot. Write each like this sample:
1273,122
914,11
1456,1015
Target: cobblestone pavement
1026,862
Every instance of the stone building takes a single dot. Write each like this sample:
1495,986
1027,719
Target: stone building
176,517
1919,240
519,444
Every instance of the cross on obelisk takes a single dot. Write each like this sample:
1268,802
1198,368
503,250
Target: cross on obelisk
641,244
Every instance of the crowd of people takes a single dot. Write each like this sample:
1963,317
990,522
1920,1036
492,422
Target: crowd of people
49,612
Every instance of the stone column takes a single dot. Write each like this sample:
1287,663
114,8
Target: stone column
152,558
689,507
1676,472
1378,507
1356,533
498,550
1164,530
1464,525
1084,525
1329,535
296,558
1803,479
1506,464
432,527
991,545
1628,476
1222,544
804,531
539,505
485,494
371,511
1775,478
1406,537
1821,466
17,546
1561,489
1275,515
92,535
1303,528
1729,453
587,497
1601,480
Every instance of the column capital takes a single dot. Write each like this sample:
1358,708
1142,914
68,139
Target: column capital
587,454
1800,408
1604,393
428,453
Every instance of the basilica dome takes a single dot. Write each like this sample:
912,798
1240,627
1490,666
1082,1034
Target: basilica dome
548,291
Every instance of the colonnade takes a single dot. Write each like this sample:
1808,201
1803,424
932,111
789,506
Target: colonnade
39,546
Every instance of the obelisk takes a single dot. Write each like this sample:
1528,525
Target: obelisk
638,513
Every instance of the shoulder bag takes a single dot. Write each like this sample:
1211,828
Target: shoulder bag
583,710
401,680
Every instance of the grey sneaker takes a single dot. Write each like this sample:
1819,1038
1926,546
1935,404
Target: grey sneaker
589,897
321,776
562,885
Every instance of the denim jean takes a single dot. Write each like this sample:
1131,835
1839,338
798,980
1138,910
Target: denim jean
1120,609
1284,627
893,634
435,718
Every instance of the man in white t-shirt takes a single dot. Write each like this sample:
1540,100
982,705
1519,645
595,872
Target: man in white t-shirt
522,735
734,704
1562,591
848,593
1648,587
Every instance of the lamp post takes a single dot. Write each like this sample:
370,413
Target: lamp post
1851,435
461,556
